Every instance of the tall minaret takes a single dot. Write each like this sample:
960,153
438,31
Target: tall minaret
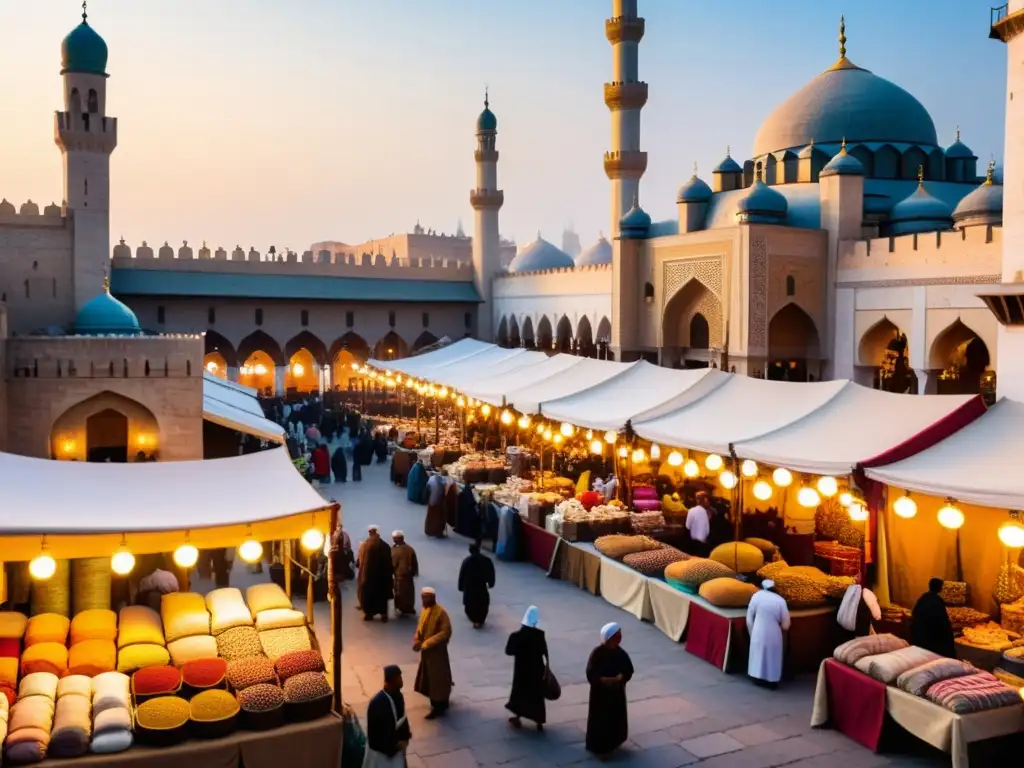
86,137
486,200
625,97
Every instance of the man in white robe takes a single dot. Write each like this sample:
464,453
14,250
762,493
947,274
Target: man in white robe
767,620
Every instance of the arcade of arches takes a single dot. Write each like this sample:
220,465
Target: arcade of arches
105,427
558,337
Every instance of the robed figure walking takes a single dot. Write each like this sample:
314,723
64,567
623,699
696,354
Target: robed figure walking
476,577
376,576
434,676
608,670
387,727
407,568
767,621
528,646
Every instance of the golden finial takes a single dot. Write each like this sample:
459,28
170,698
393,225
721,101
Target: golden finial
106,281
842,37
487,97
990,173
842,149
920,174
811,145
757,173
695,169
958,133
85,13
728,150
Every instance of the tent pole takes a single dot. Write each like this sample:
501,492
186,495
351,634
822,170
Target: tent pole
334,595
309,591
286,557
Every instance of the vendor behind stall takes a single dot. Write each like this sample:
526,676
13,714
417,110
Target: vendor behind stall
930,627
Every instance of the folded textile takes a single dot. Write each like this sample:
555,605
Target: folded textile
887,667
973,693
110,742
184,614
31,712
92,657
12,625
192,648
279,618
72,726
110,691
25,746
265,597
94,624
74,684
142,655
45,657
853,651
9,671
918,680
47,628
113,719
38,684
227,610
139,624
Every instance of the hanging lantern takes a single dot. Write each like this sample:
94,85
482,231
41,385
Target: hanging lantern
808,497
398,379
42,566
858,511
749,468
623,452
655,452
540,428
713,462
845,498
728,479
590,434
1011,533
675,459
905,507
524,422
567,429
827,486
442,392
597,447
548,435
312,540
460,401
558,438
186,556
485,409
507,417
610,436
122,561
762,490
250,551
638,455
782,478
950,516
690,468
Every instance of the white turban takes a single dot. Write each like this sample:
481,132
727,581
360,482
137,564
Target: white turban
609,630
767,584
373,528
397,535
428,591
531,617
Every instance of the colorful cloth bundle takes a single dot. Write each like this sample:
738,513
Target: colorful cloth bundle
94,624
92,657
31,719
45,657
973,693
12,631
184,614
191,648
227,610
72,726
265,597
140,640
47,628
280,618
111,713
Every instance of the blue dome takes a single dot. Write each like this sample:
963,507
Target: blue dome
635,223
920,212
728,165
538,255
846,101
985,203
598,253
874,203
762,201
843,164
487,121
84,51
106,316
694,191
958,150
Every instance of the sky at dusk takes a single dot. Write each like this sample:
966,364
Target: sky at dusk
252,122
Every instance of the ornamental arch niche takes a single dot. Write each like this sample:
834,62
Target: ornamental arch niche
260,341
529,338
693,299
502,336
425,339
347,351
514,338
883,351
306,355
585,338
794,347
563,338
962,357
219,354
105,427
390,347
544,334
874,344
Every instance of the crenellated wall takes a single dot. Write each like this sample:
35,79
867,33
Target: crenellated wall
161,375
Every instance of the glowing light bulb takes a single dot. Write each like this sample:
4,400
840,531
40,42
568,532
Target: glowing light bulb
610,436
597,447
1011,533
42,567
590,434
524,422
655,452
858,512
827,486
460,401
540,428
713,462
690,468
748,468
951,517
122,562
623,452
808,497
783,478
548,434
905,507
312,540
845,498
485,410
638,455
675,459
442,392
567,429
211,366
250,551
558,439
186,556
728,479
507,417
762,490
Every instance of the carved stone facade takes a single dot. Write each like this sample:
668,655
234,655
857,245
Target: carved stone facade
679,273
758,293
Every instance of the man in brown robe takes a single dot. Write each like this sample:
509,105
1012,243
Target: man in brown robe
434,676
376,576
407,568
434,525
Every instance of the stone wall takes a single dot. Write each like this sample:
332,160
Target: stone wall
36,269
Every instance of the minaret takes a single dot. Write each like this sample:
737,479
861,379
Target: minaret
486,200
625,96
86,137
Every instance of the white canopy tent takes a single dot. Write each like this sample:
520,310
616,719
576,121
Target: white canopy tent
421,366
489,360
467,373
740,409
586,373
89,510
236,407
493,388
855,426
980,464
643,390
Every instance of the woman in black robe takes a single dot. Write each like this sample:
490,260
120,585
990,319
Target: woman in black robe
608,670
476,576
930,627
530,650
339,465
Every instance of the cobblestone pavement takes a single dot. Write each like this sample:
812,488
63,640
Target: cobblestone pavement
682,710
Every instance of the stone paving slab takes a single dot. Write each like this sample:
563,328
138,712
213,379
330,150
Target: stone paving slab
682,710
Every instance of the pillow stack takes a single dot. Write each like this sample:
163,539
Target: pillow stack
12,632
93,651
72,719
281,628
140,640
31,718
227,610
46,650
187,627
111,713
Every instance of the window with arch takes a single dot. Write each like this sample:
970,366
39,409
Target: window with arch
790,285
93,102
648,292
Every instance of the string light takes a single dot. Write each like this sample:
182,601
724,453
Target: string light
485,409
597,447
950,516
638,455
1011,533
749,468
558,439
828,486
42,566
728,479
783,478
905,506
858,511
312,540
623,452
808,497
655,451
540,428
713,462
567,429
610,437
845,498
524,422
675,459
122,562
507,417
590,434
460,401
762,490
186,555
442,392
250,550
690,468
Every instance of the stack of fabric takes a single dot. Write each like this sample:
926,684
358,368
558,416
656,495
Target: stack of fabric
187,627
93,651
46,649
281,628
227,610
31,719
12,632
111,713
140,640
72,719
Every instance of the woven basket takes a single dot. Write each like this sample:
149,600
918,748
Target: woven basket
954,593
54,594
90,580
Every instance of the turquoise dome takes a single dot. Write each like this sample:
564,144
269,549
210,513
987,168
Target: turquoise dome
84,51
958,150
919,212
106,316
846,101
877,204
694,191
538,255
487,121
728,165
843,164
762,203
635,223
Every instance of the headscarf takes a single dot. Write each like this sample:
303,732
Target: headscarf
531,617
373,528
767,584
397,535
609,630
428,591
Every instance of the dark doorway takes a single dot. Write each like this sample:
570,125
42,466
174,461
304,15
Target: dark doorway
700,335
106,436
787,370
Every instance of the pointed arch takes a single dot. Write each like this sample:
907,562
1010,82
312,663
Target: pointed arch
887,162
563,335
962,356
700,333
545,337
793,342
260,341
501,338
216,343
106,426
308,341
351,343
692,299
425,339
950,342
390,347
913,159
876,341
864,156
514,338
585,338
529,337
604,329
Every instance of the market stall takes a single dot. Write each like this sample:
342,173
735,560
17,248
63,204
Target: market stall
235,406
222,679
